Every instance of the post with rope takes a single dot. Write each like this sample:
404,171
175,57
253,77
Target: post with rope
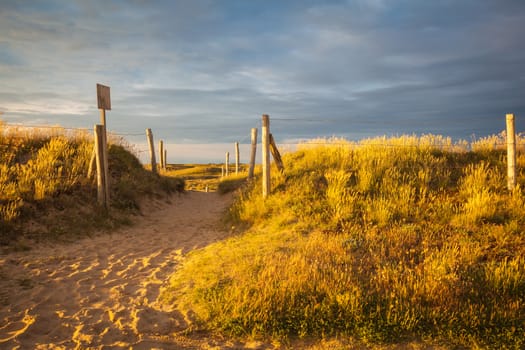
511,153
252,154
265,155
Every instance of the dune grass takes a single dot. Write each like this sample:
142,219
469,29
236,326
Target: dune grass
199,177
45,191
232,183
384,240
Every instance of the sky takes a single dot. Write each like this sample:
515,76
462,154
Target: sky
200,73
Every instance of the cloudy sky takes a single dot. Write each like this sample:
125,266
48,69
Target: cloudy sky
204,71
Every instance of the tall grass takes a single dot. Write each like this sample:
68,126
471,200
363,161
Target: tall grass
35,165
45,169
385,239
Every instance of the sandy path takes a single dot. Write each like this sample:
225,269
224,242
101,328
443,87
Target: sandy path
100,293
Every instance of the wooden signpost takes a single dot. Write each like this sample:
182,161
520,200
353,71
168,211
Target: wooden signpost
103,97
104,103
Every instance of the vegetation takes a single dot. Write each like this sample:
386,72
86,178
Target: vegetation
198,177
231,183
45,191
382,240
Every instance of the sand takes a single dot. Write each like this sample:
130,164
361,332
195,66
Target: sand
101,292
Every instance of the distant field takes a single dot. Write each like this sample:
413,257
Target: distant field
198,176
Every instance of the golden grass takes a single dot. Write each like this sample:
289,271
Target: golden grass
44,186
385,240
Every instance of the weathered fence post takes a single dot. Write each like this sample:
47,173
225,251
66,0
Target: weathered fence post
227,164
161,154
103,103
149,135
265,155
275,154
237,155
99,158
165,158
105,150
252,154
511,153
92,163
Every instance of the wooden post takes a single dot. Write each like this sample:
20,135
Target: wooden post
275,154
106,157
99,147
92,163
104,103
237,158
161,154
252,154
222,171
227,164
165,158
149,135
511,153
265,155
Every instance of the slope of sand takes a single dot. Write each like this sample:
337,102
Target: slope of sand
100,293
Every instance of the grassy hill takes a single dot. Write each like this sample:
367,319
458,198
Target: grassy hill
45,191
385,240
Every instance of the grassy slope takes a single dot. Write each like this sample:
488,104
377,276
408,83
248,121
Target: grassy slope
200,176
394,239
45,193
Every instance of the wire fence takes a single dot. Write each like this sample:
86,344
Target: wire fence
496,142
57,177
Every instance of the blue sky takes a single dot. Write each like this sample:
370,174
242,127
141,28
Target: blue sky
204,71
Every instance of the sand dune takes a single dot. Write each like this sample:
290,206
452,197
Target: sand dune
100,292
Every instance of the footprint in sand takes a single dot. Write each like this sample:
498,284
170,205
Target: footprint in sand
101,292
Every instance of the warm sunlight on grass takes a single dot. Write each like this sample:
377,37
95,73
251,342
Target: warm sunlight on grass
382,240
202,177
44,187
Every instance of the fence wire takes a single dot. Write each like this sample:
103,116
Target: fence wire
10,130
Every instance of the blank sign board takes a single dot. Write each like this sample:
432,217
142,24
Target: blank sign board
103,99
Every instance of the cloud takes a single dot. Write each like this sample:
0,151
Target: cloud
204,71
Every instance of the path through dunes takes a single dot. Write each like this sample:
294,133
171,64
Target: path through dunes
101,292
